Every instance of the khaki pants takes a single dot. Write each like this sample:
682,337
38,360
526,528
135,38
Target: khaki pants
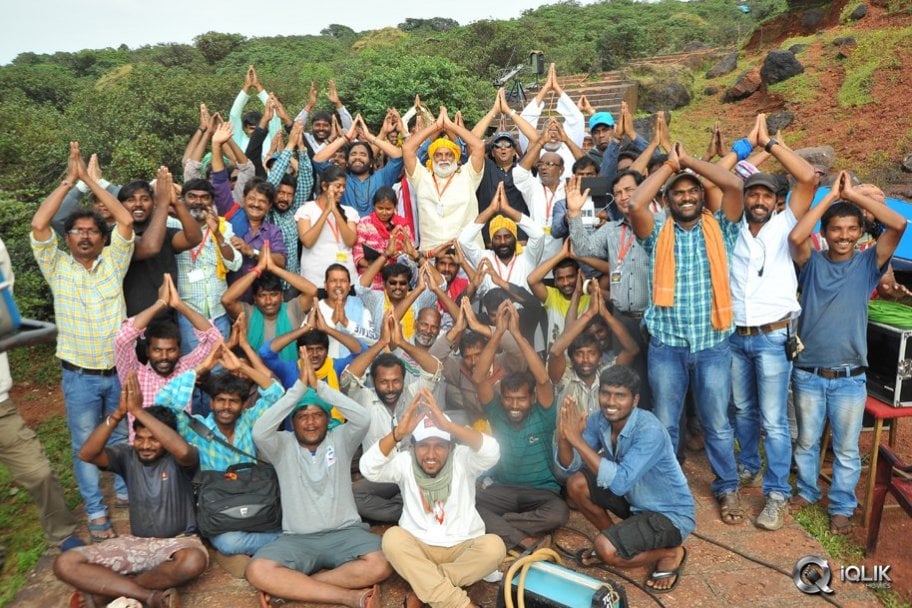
22,453
437,574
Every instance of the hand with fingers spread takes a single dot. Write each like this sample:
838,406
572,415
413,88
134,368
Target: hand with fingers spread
575,198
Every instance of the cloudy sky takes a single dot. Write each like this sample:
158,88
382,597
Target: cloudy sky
70,25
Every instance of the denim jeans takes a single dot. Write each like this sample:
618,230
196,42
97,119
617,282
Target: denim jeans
200,402
89,401
242,543
841,402
672,369
760,382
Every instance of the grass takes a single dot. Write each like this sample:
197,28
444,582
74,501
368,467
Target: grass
20,530
816,522
875,51
803,88
35,364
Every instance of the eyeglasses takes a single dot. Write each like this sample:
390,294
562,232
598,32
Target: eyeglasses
84,232
504,143
549,163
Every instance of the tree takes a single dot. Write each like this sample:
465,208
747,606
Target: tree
215,46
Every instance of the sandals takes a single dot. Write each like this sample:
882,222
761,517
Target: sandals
81,600
165,599
102,531
371,598
661,575
588,558
840,524
730,510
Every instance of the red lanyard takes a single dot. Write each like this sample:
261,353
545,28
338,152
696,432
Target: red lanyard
509,266
549,201
445,186
625,245
194,254
331,222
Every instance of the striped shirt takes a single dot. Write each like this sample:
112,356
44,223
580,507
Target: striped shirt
616,243
689,322
88,303
525,452
285,219
214,456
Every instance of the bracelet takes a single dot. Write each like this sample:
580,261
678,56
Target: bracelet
512,113
201,130
108,421
671,166
256,271
742,148
769,145
394,435
162,302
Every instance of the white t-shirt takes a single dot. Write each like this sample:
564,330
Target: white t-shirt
329,248
445,205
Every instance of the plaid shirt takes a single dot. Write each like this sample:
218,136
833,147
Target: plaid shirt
88,303
689,322
213,456
150,381
285,219
205,295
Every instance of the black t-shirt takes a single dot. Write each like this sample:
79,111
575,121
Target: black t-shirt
161,493
144,277
490,179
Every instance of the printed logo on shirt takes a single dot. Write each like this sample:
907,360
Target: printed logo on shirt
330,456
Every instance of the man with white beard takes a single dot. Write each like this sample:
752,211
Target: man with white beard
444,190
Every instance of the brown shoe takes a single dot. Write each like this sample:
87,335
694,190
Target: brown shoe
798,502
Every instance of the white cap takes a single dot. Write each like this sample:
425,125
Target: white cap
427,428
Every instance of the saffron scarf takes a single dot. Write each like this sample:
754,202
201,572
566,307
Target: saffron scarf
663,278
408,319
327,373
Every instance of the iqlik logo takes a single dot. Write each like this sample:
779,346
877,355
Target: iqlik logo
812,575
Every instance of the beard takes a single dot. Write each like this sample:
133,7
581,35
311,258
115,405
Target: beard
198,213
444,170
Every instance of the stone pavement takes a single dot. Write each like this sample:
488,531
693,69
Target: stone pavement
713,576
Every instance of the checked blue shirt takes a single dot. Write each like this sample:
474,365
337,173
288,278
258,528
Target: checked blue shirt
689,322
214,456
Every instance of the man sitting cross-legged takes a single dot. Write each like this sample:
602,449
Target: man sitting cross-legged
228,420
636,477
523,503
440,543
325,553
163,551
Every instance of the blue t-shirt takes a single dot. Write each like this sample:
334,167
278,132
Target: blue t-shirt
834,309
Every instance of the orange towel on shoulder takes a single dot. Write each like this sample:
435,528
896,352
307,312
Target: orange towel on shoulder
663,278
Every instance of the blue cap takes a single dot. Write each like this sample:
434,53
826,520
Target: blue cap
504,135
601,118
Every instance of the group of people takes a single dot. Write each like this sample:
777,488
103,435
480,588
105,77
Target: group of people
454,333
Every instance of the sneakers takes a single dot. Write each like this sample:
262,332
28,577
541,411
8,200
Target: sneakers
772,517
750,480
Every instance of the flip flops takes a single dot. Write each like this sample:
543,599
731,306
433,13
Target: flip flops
660,575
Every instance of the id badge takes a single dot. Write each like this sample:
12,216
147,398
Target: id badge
615,277
330,456
546,229
342,257
196,275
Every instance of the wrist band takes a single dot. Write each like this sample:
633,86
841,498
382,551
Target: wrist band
671,166
769,145
394,435
256,271
743,148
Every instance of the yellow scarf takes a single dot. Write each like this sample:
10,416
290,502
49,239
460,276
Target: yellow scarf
220,270
408,320
663,278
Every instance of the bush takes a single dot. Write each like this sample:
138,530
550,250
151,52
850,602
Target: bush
33,296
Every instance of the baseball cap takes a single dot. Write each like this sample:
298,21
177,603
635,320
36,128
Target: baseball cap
504,135
762,179
601,118
671,181
427,428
